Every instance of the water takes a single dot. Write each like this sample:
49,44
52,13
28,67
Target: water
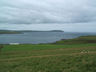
39,37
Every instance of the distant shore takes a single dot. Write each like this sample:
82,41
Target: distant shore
21,31
9,32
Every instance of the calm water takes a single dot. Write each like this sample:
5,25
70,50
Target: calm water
39,37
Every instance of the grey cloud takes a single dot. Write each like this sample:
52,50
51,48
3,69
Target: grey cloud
47,11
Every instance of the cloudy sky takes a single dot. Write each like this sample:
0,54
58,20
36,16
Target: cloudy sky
68,15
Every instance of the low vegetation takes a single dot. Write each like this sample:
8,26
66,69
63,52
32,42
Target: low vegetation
9,32
62,56
80,40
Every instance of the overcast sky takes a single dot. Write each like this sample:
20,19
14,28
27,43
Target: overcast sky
68,15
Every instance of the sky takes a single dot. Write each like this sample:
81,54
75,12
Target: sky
67,15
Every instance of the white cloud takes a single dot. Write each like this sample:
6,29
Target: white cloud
47,11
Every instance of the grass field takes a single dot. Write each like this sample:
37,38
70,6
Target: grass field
75,55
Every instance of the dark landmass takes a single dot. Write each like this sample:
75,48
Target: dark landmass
57,31
40,31
21,31
9,32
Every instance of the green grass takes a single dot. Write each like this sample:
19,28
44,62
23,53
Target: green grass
61,56
9,32
29,47
80,40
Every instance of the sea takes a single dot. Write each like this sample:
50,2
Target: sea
40,37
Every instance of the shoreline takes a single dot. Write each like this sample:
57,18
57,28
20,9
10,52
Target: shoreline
22,31
78,40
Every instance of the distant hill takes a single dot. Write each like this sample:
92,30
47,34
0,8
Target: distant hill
57,31
9,32
40,31
21,31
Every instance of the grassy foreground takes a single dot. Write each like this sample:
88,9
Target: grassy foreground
75,55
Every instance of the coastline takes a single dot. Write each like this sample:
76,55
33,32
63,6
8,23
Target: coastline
22,31
34,58
79,40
